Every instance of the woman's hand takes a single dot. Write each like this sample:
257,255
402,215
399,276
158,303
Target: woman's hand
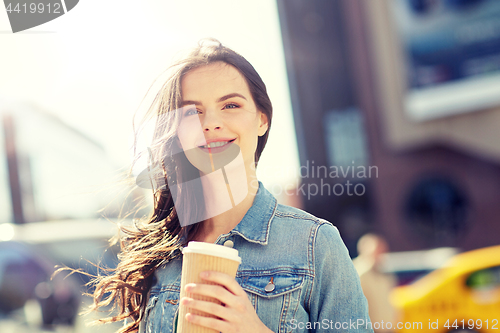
237,312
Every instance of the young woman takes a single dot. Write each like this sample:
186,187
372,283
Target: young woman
212,122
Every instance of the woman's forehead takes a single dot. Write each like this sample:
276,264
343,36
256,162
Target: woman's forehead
215,78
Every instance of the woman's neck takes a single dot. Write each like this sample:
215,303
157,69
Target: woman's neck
226,202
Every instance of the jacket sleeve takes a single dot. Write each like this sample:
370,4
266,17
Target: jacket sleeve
337,301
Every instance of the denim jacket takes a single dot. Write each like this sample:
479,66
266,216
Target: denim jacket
316,288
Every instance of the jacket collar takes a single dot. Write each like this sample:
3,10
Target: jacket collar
254,227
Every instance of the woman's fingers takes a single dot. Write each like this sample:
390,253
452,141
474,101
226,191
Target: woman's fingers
208,307
212,323
211,290
236,315
225,280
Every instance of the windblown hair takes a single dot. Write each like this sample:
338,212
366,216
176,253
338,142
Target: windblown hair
158,238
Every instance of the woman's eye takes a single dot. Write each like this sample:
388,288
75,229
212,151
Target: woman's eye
191,112
231,106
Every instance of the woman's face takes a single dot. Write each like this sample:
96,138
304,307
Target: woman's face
218,112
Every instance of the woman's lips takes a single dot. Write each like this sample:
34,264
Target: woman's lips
212,150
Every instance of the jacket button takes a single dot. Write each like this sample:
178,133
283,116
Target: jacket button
270,287
229,243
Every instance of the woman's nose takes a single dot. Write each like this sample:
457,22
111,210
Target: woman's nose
211,121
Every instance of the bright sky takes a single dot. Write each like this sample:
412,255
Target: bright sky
93,65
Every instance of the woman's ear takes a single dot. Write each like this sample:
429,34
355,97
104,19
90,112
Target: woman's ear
263,123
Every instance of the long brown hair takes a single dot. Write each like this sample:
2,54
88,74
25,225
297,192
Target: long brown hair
158,238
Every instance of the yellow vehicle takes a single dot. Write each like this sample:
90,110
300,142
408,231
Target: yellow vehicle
462,296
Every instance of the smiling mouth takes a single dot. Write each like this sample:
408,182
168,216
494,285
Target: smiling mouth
216,144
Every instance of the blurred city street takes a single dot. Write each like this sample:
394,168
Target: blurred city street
28,322
385,122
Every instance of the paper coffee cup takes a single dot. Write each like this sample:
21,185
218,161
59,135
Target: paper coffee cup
199,257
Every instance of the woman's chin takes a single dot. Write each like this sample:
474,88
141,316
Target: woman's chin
208,162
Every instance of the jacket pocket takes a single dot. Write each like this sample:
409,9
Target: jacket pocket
275,295
161,309
146,324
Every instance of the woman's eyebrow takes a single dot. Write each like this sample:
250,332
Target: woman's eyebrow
228,96
223,98
184,103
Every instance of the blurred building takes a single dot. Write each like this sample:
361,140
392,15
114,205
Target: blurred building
51,171
58,193
398,101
